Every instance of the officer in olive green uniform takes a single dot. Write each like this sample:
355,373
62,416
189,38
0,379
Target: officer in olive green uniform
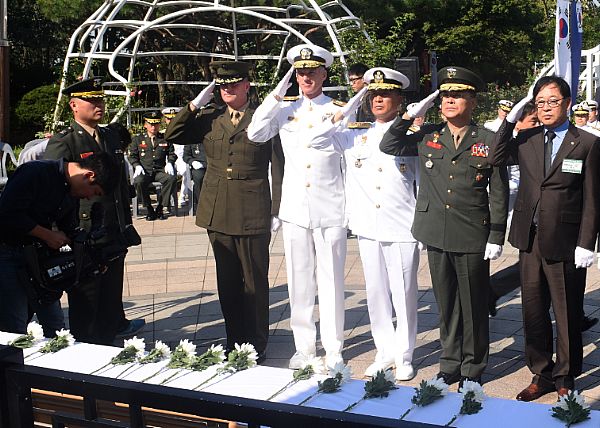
235,201
153,159
462,224
95,308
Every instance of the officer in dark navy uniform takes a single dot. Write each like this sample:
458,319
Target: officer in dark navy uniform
153,159
95,308
457,217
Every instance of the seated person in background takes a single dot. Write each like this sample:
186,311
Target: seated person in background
38,195
195,156
152,159
181,167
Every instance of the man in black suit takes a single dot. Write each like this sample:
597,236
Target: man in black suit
554,225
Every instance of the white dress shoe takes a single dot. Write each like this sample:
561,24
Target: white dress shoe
377,366
332,359
298,360
405,372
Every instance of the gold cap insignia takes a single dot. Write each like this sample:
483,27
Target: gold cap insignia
306,53
451,72
378,76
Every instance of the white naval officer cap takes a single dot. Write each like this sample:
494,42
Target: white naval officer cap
170,112
505,105
593,105
385,78
581,109
309,56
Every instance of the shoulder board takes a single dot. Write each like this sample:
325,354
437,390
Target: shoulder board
339,103
64,132
292,98
359,125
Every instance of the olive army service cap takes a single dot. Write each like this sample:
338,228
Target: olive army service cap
153,117
459,79
227,72
88,88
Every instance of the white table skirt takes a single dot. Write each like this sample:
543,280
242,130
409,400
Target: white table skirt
261,382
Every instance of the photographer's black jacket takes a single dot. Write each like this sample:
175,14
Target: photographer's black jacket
36,194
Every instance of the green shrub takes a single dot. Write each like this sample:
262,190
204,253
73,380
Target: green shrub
35,107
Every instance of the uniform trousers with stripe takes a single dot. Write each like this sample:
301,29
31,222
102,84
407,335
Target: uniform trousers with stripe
315,259
390,270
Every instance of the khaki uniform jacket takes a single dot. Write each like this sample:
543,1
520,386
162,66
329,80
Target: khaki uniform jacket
454,210
235,198
75,143
152,158
568,197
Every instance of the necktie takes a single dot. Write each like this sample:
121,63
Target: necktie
235,118
548,151
97,137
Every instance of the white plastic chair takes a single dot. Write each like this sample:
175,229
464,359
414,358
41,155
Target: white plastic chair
7,151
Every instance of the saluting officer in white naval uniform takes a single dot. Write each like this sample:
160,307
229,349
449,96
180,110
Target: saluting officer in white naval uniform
593,118
380,206
504,107
581,115
312,204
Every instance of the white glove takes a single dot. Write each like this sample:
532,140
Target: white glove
283,85
196,164
515,114
353,103
169,168
139,170
205,96
275,224
492,251
422,106
583,258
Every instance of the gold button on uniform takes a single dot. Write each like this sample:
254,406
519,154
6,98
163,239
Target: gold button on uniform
449,190
307,184
377,206
453,162
451,177
379,169
447,207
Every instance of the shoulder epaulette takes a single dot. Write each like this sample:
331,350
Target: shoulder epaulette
64,132
292,98
339,103
359,125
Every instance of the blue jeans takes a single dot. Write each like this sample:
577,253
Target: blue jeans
15,310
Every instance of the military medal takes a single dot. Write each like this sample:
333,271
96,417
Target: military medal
403,167
429,164
435,137
358,163
478,176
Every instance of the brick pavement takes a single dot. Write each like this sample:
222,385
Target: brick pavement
171,282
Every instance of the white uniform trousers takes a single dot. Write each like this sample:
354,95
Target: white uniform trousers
390,270
316,258
183,170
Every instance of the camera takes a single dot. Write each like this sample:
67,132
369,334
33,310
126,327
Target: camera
51,272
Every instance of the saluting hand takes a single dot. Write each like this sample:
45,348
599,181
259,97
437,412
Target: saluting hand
205,96
350,106
515,113
422,106
283,85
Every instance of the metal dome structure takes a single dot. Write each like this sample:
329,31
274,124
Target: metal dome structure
174,40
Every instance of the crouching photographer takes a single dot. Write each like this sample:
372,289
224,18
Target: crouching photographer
39,206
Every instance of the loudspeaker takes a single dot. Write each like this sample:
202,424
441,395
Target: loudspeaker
409,66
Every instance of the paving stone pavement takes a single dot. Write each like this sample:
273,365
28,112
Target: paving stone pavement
171,283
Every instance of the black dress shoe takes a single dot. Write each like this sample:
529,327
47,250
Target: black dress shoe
588,322
472,379
160,214
151,215
449,378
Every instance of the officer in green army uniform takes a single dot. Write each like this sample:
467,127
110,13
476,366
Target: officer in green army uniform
153,159
95,308
235,203
461,222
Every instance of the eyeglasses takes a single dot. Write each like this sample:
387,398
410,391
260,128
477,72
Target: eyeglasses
354,79
551,103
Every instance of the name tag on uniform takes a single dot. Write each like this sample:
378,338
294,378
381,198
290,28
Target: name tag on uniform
572,166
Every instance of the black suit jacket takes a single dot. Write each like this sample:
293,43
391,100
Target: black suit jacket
569,203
